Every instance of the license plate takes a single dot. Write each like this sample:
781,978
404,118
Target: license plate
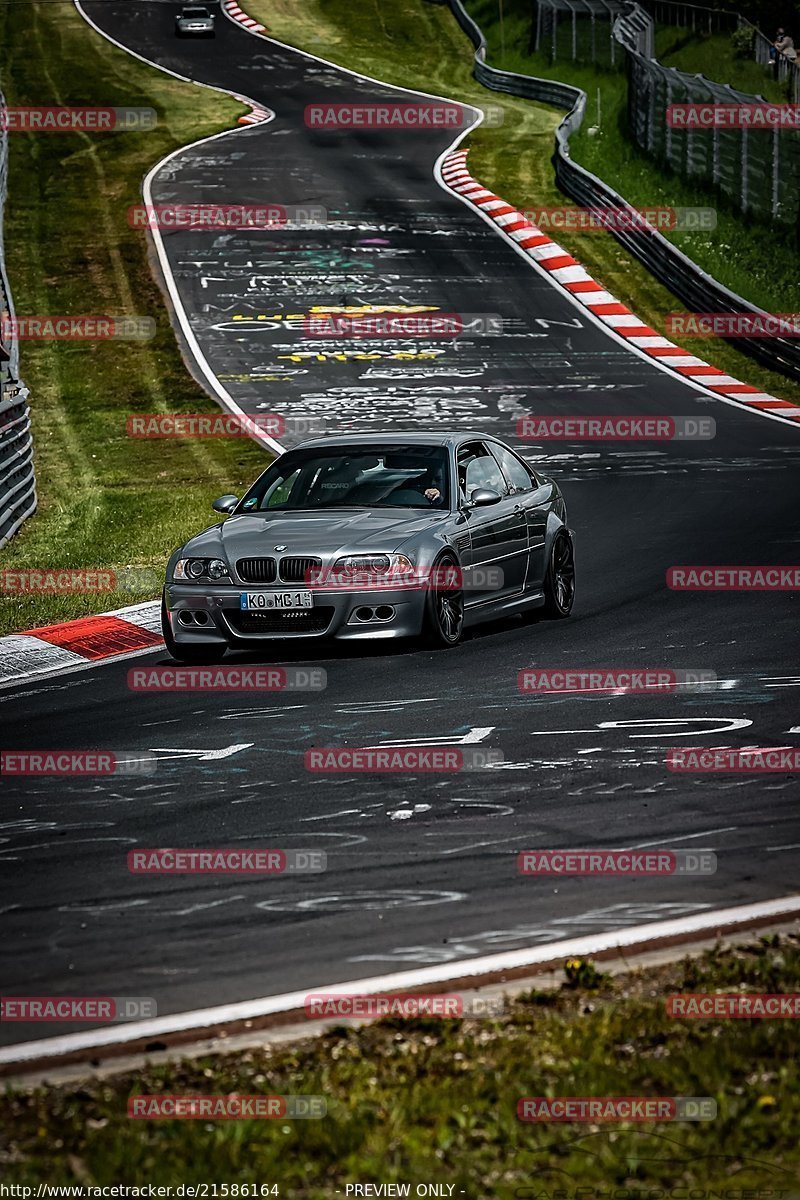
270,601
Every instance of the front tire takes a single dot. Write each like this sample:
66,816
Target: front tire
559,584
187,654
444,605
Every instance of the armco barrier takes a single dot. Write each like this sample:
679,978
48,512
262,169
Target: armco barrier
699,291
17,483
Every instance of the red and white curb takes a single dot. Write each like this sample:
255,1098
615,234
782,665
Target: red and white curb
109,1040
256,116
569,274
57,648
235,13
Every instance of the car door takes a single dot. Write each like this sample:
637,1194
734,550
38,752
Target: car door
498,532
534,501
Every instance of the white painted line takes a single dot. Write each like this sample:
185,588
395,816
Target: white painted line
685,837
423,977
214,384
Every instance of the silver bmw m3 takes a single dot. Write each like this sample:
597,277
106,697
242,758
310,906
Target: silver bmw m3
401,535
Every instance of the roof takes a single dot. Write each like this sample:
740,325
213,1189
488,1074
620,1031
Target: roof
392,437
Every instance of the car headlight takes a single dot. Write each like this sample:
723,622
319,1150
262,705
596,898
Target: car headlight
372,564
202,570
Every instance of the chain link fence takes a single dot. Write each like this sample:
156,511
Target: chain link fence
713,20
757,170
692,16
17,483
579,31
693,286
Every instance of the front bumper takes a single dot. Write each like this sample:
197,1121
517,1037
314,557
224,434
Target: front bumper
205,614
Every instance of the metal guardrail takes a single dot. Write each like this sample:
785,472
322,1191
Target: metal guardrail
699,291
17,482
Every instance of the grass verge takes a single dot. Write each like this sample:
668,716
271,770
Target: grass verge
435,1101
712,55
105,500
419,45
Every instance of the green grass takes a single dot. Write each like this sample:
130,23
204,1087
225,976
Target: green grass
104,499
418,44
435,1101
712,55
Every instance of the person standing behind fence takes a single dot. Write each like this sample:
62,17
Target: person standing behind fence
773,50
783,47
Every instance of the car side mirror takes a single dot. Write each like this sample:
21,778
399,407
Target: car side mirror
483,496
225,504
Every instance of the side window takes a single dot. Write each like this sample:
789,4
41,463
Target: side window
518,474
477,468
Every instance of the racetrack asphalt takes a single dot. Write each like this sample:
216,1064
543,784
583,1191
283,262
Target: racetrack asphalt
421,869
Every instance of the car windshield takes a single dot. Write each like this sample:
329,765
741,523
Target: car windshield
195,12
353,477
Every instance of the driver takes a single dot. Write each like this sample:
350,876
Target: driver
433,487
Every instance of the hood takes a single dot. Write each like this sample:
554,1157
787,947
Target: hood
311,533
